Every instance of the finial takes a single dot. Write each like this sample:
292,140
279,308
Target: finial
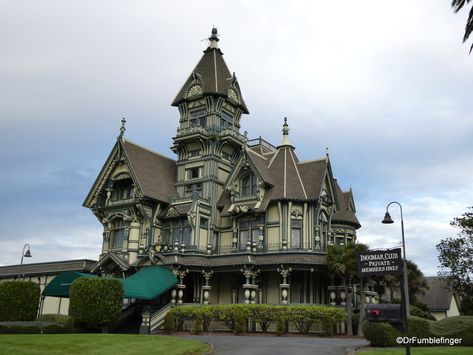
122,129
213,38
326,154
285,132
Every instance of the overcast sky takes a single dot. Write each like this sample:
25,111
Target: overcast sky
386,86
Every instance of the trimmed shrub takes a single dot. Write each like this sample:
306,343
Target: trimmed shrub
19,301
418,312
380,334
236,316
264,315
35,327
96,303
61,319
454,327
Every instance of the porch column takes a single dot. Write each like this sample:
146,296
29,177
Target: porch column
249,287
179,291
206,288
284,286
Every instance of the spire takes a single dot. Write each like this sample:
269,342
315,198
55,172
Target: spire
213,39
285,132
122,129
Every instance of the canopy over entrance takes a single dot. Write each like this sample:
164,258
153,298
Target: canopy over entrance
59,286
147,284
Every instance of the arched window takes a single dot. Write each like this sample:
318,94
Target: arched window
117,234
122,189
248,184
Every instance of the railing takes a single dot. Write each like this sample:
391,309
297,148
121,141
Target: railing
254,247
262,142
156,319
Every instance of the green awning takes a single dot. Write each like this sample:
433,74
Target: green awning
147,284
59,286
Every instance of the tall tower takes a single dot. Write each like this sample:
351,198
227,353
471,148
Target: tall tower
208,139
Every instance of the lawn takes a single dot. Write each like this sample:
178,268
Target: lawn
98,344
431,350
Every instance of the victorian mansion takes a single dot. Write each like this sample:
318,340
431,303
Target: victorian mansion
237,220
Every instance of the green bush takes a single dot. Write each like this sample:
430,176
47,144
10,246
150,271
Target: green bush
31,327
19,301
383,334
418,312
96,303
419,327
61,319
170,322
236,316
454,327
380,334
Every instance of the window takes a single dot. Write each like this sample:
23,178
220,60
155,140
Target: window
178,230
197,118
204,223
248,185
296,234
194,173
118,234
122,189
323,222
226,120
248,232
189,190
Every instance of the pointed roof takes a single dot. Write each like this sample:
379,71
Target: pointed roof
213,75
345,214
155,173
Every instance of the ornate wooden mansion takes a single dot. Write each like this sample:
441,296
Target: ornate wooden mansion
237,220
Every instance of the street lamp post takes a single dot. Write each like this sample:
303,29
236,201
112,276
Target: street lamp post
24,254
404,284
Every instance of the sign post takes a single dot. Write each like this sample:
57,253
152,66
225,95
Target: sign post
385,262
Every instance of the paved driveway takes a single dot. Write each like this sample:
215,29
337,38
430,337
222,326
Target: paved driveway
272,345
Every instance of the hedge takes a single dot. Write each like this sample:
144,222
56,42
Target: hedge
236,316
95,303
384,335
66,321
35,327
418,312
19,301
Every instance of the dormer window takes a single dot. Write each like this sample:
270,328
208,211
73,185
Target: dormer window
248,185
122,189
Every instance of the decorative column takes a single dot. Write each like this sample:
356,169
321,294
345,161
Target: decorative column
249,287
317,239
235,241
180,274
206,288
260,237
284,286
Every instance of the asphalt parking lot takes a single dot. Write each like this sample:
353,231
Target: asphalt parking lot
273,345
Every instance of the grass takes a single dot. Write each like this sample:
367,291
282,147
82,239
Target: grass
95,344
431,350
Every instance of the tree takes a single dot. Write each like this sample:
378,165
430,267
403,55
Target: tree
455,256
341,260
457,5
416,283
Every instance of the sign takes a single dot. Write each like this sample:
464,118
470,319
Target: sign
379,262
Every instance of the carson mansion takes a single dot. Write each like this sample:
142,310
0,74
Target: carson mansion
235,219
